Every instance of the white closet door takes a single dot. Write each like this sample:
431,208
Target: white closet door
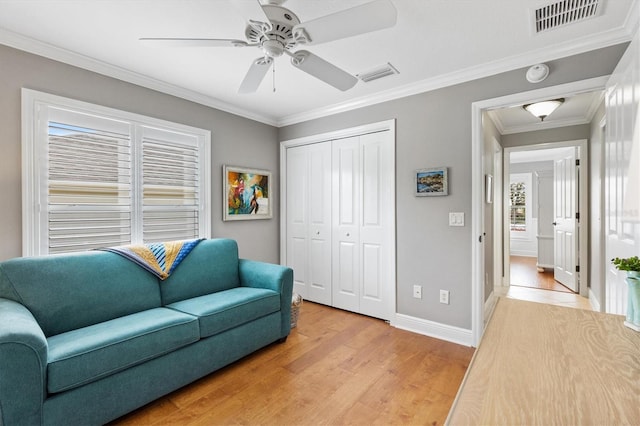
309,220
375,221
319,230
298,218
346,211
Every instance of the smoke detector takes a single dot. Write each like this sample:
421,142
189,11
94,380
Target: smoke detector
537,73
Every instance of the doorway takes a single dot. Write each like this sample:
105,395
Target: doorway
542,192
480,300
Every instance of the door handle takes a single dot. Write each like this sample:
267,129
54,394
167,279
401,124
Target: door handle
554,223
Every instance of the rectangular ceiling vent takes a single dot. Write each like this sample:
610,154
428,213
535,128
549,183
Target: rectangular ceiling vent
377,73
565,12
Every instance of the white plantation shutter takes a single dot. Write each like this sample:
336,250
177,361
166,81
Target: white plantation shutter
170,186
97,177
89,183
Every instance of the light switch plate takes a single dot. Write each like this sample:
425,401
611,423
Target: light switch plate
456,218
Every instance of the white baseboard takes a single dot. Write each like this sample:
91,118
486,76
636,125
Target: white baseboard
595,303
489,306
458,335
523,253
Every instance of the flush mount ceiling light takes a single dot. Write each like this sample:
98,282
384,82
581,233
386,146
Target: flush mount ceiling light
543,109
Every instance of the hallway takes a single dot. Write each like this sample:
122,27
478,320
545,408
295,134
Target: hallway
524,273
529,284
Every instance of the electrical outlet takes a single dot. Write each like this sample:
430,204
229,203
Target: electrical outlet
444,296
417,291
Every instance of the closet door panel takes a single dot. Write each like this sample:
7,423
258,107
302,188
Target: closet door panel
297,218
347,200
318,192
375,222
372,259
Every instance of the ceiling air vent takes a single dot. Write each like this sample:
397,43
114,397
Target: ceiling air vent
565,12
378,72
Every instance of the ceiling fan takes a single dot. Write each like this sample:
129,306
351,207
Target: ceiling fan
277,31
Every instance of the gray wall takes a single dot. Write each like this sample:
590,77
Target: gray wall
568,133
235,140
434,129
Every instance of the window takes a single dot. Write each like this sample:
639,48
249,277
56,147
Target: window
96,177
520,205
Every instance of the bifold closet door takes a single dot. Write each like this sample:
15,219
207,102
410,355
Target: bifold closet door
309,220
362,219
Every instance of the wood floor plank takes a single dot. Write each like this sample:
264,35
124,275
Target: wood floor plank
336,367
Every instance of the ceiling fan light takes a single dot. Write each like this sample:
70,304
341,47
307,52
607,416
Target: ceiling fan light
543,109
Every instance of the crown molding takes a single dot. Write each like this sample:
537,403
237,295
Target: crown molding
496,121
545,125
55,53
585,44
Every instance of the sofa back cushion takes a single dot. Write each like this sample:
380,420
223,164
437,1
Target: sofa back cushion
210,267
69,291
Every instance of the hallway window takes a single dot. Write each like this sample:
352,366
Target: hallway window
520,205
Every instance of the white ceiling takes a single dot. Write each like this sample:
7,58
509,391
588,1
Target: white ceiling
433,44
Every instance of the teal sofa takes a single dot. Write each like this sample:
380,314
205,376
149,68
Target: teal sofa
86,338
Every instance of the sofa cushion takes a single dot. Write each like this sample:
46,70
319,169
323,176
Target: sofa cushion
210,267
70,291
230,308
90,353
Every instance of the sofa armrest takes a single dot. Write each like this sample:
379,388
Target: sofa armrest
23,363
273,277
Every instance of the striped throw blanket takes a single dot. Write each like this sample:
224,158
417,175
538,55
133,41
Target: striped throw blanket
161,259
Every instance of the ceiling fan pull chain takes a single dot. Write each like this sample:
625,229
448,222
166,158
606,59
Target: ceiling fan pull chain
274,76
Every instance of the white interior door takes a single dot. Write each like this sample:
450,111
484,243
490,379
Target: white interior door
297,219
622,180
319,196
346,236
565,221
338,217
309,220
375,221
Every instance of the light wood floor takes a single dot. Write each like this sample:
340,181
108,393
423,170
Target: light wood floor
335,368
524,273
524,270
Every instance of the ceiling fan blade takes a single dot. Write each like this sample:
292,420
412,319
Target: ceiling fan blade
323,70
195,42
372,16
255,75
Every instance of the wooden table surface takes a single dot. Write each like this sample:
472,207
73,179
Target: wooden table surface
539,364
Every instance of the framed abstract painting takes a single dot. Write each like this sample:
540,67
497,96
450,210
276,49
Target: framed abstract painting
247,193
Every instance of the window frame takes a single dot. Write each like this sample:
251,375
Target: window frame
35,106
527,179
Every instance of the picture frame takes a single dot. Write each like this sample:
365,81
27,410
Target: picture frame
246,193
431,182
488,188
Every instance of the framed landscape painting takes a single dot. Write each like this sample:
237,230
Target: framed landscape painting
247,193
431,182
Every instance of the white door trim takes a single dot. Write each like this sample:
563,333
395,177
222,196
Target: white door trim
477,266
